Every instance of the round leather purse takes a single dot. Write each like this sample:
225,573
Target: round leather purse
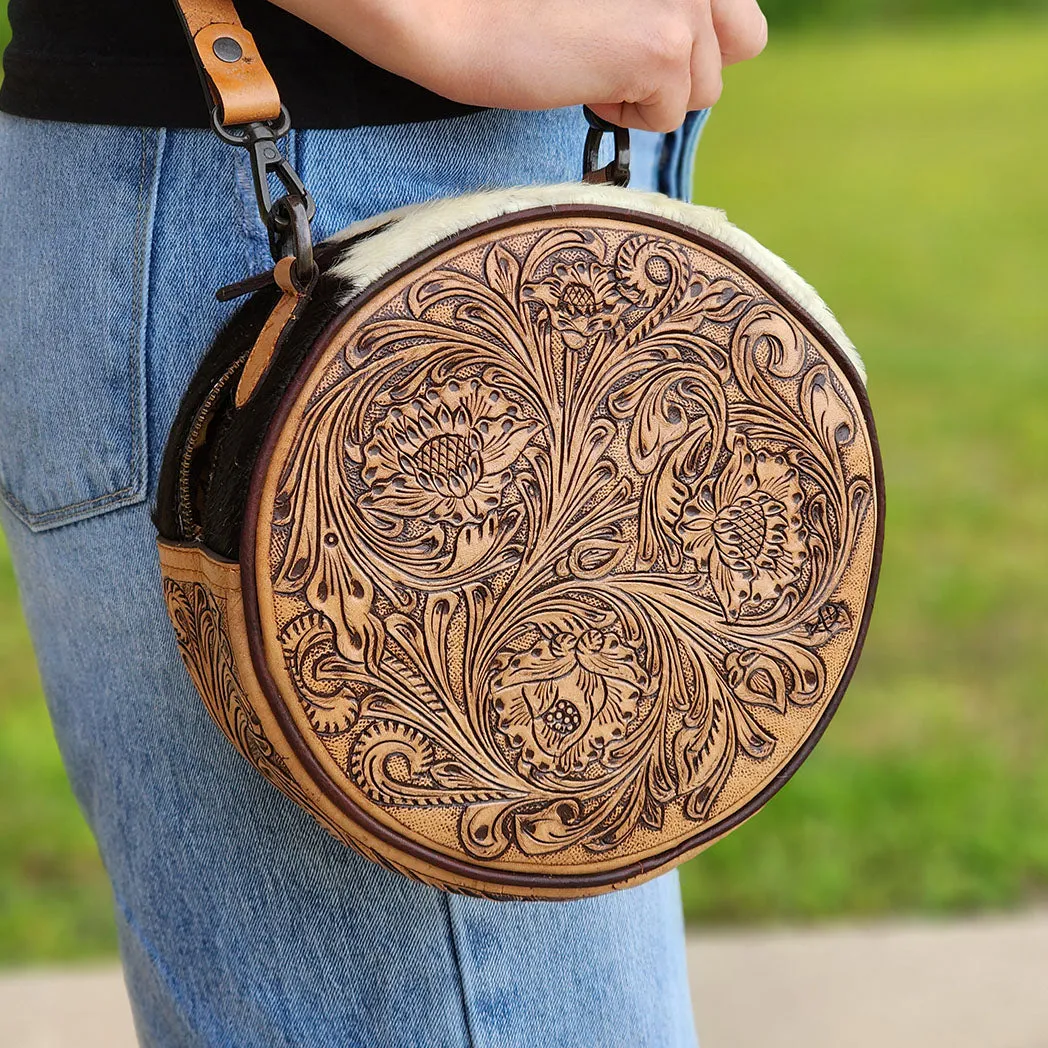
527,539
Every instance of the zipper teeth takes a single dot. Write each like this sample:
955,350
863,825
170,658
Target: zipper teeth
186,522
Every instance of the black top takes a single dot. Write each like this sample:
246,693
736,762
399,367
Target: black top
128,62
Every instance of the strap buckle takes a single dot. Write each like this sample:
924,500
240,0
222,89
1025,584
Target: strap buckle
287,218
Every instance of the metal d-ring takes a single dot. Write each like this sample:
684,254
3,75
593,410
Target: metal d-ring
241,134
617,172
289,235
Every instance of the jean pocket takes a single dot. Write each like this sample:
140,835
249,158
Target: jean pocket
77,203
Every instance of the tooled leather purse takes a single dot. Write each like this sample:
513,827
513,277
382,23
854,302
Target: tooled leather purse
526,539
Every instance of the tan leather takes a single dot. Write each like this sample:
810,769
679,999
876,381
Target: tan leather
199,13
243,90
203,596
559,554
283,314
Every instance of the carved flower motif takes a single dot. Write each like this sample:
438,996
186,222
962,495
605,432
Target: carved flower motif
565,700
582,299
446,454
746,529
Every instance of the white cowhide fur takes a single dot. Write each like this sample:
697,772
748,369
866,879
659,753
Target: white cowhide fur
419,226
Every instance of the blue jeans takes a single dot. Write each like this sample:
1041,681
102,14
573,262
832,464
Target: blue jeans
241,922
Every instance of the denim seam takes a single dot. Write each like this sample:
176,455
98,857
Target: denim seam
125,496
133,492
174,998
145,297
456,953
135,363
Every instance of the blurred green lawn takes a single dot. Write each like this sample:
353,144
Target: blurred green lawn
904,174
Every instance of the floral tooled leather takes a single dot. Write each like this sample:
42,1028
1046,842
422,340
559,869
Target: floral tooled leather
567,547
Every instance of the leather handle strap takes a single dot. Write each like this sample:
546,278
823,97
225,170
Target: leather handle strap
280,322
238,83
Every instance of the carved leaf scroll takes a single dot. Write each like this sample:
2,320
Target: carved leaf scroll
572,543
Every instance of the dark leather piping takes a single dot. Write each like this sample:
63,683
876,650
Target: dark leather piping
477,871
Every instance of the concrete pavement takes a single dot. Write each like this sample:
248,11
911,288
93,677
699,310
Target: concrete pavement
977,984
981,983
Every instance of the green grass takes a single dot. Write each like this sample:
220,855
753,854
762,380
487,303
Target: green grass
803,14
54,899
905,176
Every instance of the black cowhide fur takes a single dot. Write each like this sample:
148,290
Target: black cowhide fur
222,470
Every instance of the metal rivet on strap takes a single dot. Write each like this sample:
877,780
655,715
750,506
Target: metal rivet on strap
227,49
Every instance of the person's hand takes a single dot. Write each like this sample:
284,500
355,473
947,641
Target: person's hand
637,63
